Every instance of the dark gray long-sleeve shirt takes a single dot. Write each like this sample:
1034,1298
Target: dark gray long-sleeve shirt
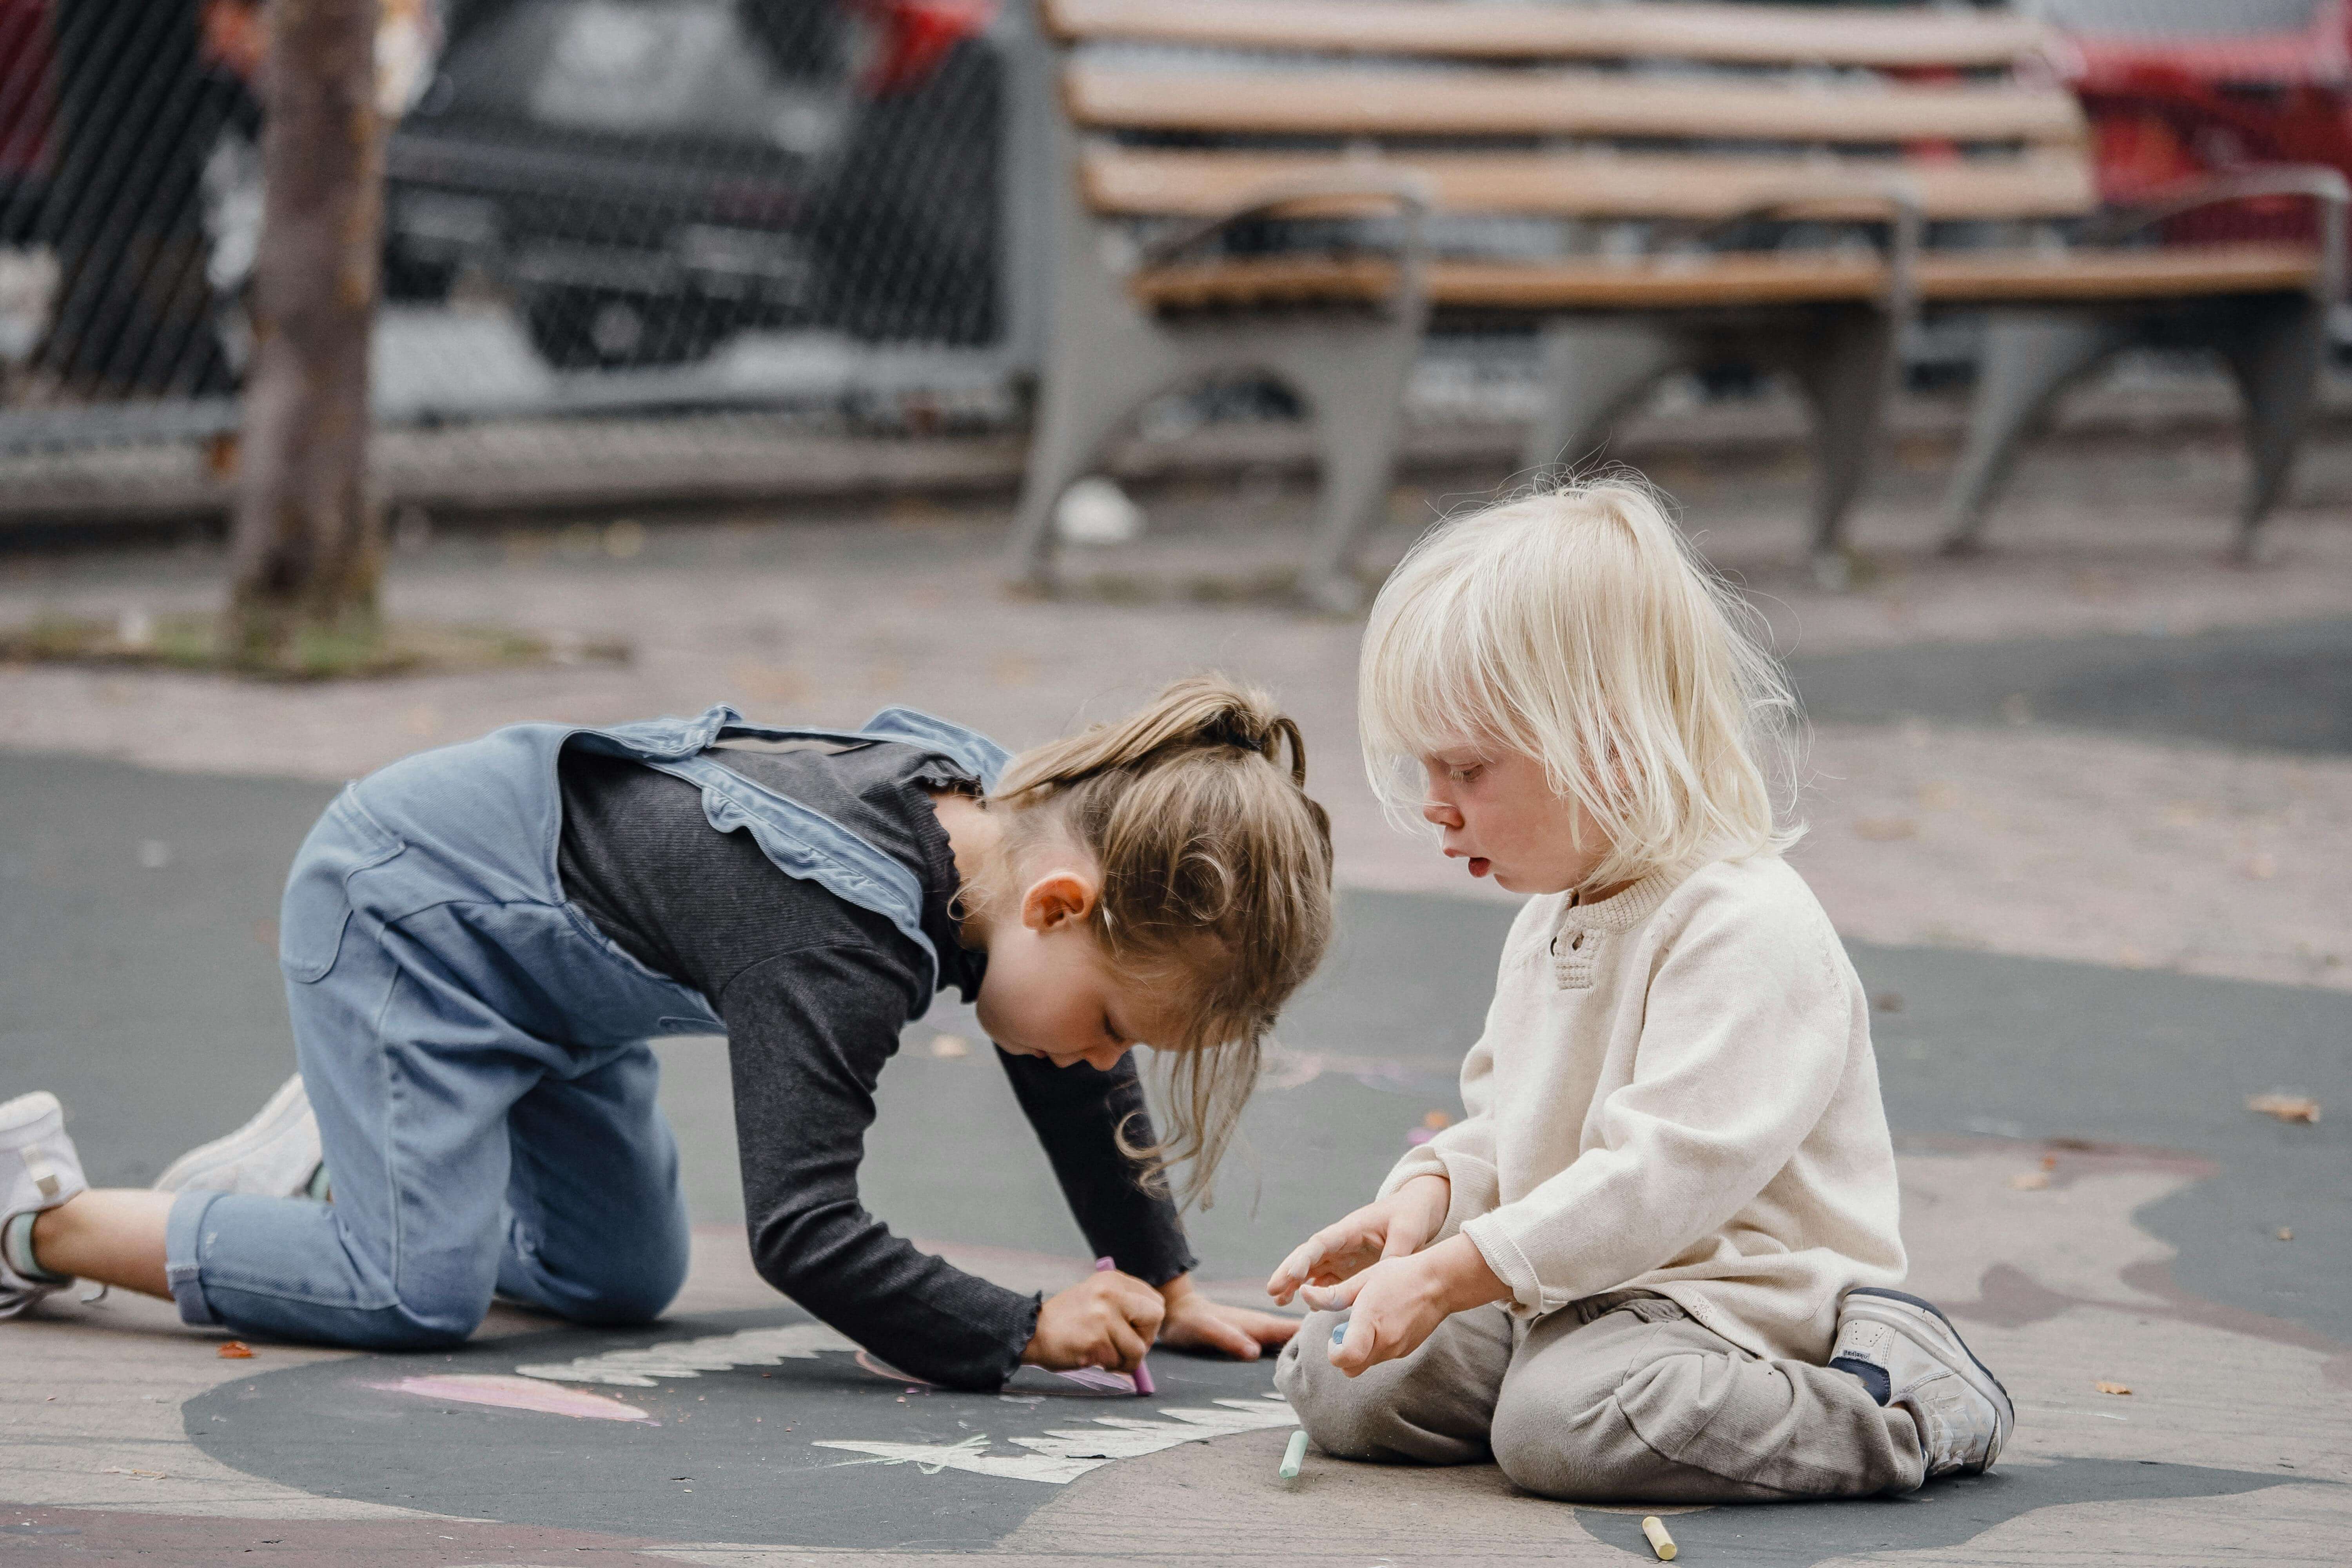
814,991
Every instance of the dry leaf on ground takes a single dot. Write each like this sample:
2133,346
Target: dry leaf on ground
2285,1107
234,1350
1437,1121
2105,1387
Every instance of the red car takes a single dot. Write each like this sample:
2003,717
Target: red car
2179,88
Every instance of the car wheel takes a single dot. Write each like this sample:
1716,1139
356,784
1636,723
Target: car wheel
415,282
585,329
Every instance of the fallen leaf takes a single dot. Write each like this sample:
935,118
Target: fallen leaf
2112,1387
1437,1121
2030,1180
234,1350
2286,1106
2049,1162
949,1047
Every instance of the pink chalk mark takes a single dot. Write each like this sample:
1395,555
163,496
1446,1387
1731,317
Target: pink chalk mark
516,1394
1100,1377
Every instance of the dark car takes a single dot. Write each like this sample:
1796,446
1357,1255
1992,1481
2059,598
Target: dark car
649,176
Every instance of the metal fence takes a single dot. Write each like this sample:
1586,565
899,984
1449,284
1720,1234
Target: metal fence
589,204
609,205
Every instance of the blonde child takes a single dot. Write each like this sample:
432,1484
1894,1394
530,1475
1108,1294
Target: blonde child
1655,1259
478,942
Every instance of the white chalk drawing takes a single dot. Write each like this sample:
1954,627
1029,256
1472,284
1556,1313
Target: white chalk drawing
1063,1454
1059,1457
690,1358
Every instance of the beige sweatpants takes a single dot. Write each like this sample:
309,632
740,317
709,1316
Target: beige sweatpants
1615,1399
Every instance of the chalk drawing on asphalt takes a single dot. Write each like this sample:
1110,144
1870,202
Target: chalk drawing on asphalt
1061,1455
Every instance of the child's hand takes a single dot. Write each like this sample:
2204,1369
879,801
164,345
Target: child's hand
1398,1302
1106,1319
1196,1323
1398,1225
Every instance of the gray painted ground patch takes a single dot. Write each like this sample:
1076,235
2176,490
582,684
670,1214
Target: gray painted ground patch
752,1428
1947,1513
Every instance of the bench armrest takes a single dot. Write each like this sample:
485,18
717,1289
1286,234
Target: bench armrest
1409,192
1906,220
2325,186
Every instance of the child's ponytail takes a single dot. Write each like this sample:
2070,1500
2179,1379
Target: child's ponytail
1216,878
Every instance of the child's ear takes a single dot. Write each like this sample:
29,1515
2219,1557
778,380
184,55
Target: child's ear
1056,900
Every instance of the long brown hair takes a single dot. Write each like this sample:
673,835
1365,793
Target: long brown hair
1216,882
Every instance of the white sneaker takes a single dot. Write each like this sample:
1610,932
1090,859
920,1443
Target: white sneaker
39,1170
276,1154
1909,1353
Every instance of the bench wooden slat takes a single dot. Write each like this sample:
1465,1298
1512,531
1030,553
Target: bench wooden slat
1136,182
2005,277
1760,35
1501,103
1734,280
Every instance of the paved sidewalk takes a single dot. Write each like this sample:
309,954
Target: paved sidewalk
1964,818
2080,808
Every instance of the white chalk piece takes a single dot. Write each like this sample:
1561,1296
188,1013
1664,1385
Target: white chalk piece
1660,1541
1095,510
1294,1456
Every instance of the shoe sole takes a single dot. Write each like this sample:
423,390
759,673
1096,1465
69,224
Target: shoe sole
285,1109
1978,1375
28,1108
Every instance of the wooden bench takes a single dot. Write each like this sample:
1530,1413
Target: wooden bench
1297,187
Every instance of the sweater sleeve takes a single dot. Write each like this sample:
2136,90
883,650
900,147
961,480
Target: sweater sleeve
1745,1036
1463,1154
1077,1113
808,1033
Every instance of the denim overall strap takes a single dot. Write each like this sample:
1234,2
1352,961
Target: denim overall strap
802,842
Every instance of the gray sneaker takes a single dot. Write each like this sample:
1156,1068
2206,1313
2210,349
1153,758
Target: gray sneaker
275,1155
39,1170
1909,1353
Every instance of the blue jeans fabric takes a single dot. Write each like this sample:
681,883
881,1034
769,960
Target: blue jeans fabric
475,1051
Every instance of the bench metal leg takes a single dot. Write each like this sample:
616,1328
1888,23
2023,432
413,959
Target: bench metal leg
1095,383
1592,372
2029,361
1843,370
1356,388
2275,357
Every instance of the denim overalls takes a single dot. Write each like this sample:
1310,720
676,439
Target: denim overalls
475,1048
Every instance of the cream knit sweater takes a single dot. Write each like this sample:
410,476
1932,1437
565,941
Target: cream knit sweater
1675,1093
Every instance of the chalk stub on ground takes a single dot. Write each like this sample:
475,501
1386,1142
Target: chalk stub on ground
1294,1456
1660,1541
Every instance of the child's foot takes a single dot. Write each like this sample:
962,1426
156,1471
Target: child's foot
1907,1353
39,1170
275,1155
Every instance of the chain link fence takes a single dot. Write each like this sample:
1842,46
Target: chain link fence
784,208
588,203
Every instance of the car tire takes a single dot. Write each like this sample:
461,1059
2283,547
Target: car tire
592,328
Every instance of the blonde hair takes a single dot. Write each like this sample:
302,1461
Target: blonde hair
1216,882
1579,627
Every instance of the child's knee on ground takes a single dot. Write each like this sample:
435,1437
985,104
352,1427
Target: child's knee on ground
1431,1407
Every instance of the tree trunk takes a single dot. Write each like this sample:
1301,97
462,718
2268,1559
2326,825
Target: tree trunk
307,550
